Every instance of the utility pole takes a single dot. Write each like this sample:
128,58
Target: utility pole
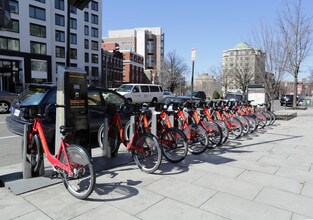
193,58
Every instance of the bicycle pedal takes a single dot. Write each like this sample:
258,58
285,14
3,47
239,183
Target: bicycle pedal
54,174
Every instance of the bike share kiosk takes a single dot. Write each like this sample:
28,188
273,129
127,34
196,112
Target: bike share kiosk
72,96
72,99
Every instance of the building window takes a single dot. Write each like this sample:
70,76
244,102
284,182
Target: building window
73,53
36,12
94,32
73,23
15,26
87,69
39,48
9,44
86,30
86,57
94,5
60,52
42,1
14,6
86,16
86,44
59,4
94,58
94,45
37,30
73,9
59,36
59,20
94,71
73,38
94,19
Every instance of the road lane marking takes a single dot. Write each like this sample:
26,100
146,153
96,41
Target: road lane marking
7,137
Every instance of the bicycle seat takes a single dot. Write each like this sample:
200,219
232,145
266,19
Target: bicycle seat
32,111
66,130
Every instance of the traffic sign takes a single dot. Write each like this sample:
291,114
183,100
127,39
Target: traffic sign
193,54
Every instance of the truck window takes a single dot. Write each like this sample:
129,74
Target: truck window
144,88
154,89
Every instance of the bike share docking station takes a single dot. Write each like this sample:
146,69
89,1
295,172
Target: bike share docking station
72,112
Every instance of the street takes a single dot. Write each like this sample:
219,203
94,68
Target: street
10,144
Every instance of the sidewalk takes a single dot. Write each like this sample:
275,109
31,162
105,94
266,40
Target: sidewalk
267,175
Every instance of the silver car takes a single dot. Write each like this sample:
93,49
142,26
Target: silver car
6,98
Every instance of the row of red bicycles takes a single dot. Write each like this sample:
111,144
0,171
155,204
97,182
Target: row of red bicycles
171,130
180,128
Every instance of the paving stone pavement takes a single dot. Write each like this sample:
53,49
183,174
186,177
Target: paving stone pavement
265,175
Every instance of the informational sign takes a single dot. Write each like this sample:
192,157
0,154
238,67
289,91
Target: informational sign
193,54
257,94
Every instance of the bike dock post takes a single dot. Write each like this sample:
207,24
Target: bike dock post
27,167
132,127
155,116
106,150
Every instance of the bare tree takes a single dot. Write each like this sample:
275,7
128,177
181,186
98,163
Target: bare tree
296,30
269,40
222,77
245,76
172,71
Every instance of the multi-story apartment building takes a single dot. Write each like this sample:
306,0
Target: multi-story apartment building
148,42
133,68
37,44
112,66
132,65
242,64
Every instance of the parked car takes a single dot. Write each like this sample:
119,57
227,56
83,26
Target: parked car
234,97
139,93
196,94
99,100
287,100
6,99
178,99
167,94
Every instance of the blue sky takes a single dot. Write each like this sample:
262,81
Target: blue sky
207,25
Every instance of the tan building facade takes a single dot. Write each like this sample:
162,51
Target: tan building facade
244,61
206,83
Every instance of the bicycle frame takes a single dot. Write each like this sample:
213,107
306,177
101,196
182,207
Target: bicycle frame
54,160
129,144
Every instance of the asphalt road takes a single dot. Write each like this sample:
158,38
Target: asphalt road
10,145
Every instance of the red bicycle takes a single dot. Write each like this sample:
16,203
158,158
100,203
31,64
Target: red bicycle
72,163
144,147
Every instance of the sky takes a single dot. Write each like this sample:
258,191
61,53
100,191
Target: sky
209,26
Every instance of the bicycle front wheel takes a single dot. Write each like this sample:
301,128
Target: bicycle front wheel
82,183
149,157
214,132
197,137
236,128
174,145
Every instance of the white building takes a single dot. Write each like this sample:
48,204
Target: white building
36,46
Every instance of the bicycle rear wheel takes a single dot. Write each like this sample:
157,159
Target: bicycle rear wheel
82,183
35,154
150,159
113,138
174,145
